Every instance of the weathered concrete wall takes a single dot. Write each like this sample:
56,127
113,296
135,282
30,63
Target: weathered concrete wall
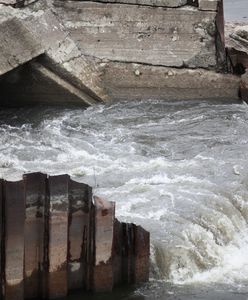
111,50
55,238
136,81
153,49
175,37
237,50
237,45
17,44
27,33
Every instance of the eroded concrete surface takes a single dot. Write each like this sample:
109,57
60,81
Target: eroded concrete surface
237,50
108,50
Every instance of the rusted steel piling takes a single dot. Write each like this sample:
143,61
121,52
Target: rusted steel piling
55,238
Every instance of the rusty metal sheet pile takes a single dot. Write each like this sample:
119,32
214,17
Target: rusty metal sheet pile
55,238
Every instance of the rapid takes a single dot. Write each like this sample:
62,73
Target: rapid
179,169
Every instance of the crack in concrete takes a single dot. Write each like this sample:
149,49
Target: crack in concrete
133,4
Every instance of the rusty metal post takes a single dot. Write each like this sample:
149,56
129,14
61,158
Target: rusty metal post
58,236
1,241
53,238
142,254
104,230
35,190
117,252
14,240
128,253
79,234
91,246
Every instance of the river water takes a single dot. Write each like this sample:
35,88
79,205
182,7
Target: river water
180,169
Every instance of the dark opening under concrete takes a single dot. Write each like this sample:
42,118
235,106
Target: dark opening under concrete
34,83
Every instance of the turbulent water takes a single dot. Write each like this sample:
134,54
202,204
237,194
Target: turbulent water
179,169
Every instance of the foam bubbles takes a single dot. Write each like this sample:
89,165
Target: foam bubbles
179,169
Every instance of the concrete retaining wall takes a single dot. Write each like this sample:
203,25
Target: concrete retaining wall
237,50
153,49
27,33
98,51
175,37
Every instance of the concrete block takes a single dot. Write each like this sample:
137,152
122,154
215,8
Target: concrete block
58,236
80,205
208,4
17,45
26,34
70,92
238,60
244,87
179,37
237,46
137,81
63,56
236,35
14,240
103,279
35,191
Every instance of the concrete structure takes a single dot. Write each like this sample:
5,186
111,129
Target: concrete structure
89,51
175,37
26,35
170,84
56,238
237,50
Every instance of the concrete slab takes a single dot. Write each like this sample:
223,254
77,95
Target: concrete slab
137,81
181,37
237,46
208,4
17,45
76,93
244,87
26,34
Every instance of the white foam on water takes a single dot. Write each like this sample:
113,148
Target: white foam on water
179,169
231,265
